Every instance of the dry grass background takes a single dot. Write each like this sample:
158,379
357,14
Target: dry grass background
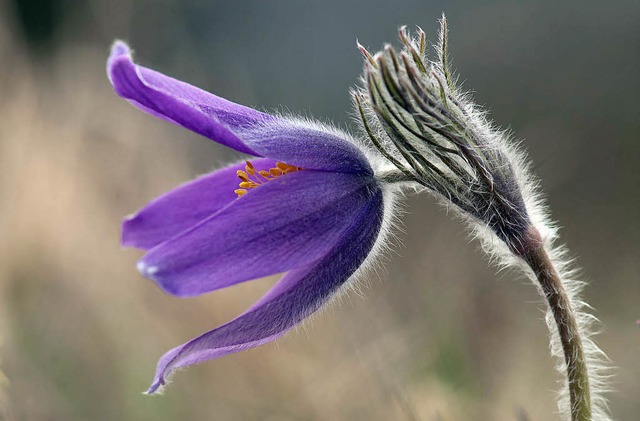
437,337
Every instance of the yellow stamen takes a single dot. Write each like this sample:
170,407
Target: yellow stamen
250,168
251,178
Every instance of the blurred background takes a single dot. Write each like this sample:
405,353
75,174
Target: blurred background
437,336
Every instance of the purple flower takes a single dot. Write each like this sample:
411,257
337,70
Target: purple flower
308,203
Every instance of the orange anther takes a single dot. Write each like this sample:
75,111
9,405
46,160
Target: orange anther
250,168
252,178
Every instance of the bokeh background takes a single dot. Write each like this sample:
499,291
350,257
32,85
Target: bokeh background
437,336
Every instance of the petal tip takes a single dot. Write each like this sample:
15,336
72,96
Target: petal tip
119,48
122,72
126,237
119,51
153,273
148,271
156,388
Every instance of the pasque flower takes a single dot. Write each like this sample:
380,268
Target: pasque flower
307,202
315,203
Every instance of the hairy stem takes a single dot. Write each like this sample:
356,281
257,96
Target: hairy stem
564,315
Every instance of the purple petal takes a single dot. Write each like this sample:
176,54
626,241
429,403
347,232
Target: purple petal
179,102
288,222
297,295
307,145
185,206
241,128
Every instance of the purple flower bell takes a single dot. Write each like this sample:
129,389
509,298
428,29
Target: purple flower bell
307,202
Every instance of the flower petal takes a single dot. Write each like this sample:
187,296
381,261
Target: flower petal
185,206
244,129
288,222
307,145
179,102
296,296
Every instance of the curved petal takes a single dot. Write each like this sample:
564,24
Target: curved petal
288,222
296,296
308,145
185,206
179,102
242,128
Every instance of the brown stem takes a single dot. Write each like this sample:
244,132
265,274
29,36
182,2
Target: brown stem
534,253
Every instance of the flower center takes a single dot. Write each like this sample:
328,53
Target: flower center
251,178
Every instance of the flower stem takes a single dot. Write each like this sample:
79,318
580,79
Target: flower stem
536,256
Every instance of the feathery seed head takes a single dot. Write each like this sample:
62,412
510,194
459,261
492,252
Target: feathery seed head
415,116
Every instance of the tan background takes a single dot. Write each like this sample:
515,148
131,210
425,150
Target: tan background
439,335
